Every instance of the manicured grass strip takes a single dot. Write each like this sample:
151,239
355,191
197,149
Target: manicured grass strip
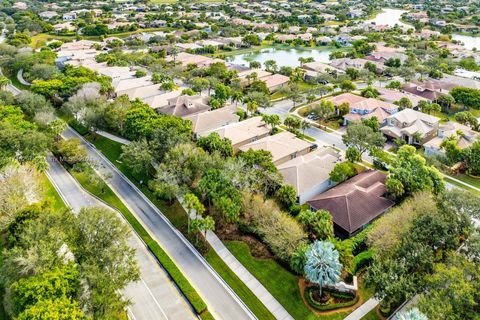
247,296
112,150
282,284
51,194
461,186
104,192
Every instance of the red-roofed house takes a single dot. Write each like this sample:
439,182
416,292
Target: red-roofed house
354,203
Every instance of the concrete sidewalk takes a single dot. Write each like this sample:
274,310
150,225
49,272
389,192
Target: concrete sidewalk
154,296
248,279
365,308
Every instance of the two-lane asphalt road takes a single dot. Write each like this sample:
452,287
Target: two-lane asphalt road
221,300
154,296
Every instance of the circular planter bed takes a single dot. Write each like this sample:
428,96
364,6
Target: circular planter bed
330,299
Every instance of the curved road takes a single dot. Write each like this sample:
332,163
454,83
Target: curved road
154,296
221,300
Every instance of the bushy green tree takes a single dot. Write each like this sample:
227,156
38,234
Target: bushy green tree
410,173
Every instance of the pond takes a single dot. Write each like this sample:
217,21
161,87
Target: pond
283,56
469,42
389,17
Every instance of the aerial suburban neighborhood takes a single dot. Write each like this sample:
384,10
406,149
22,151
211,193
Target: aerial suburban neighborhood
236,160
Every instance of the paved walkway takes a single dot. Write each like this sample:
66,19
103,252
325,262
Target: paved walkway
113,137
365,308
154,296
222,301
21,79
250,281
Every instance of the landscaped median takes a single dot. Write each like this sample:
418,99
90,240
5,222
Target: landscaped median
178,217
103,191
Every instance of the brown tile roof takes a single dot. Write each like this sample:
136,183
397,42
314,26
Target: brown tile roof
355,202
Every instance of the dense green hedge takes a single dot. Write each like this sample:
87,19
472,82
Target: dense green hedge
327,307
362,260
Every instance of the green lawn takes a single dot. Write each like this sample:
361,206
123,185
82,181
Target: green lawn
255,305
372,315
281,283
51,194
466,179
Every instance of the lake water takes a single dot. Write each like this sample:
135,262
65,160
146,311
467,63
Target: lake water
389,17
283,56
468,41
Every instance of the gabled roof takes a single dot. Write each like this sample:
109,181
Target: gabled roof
142,92
307,171
410,122
161,100
355,202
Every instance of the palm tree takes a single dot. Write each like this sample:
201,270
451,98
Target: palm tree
174,53
322,266
412,314
237,96
305,125
252,106
273,120
251,77
193,205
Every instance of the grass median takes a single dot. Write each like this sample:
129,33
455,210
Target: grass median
103,191
177,216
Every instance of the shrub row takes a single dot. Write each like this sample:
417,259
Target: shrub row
362,260
327,307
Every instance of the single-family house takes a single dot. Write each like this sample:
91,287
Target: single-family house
283,146
69,16
185,105
430,89
275,81
354,203
463,135
310,174
47,15
243,132
414,127
368,108
389,95
211,120
161,101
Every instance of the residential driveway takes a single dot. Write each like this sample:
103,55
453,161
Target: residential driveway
324,138
154,296
280,108
221,300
